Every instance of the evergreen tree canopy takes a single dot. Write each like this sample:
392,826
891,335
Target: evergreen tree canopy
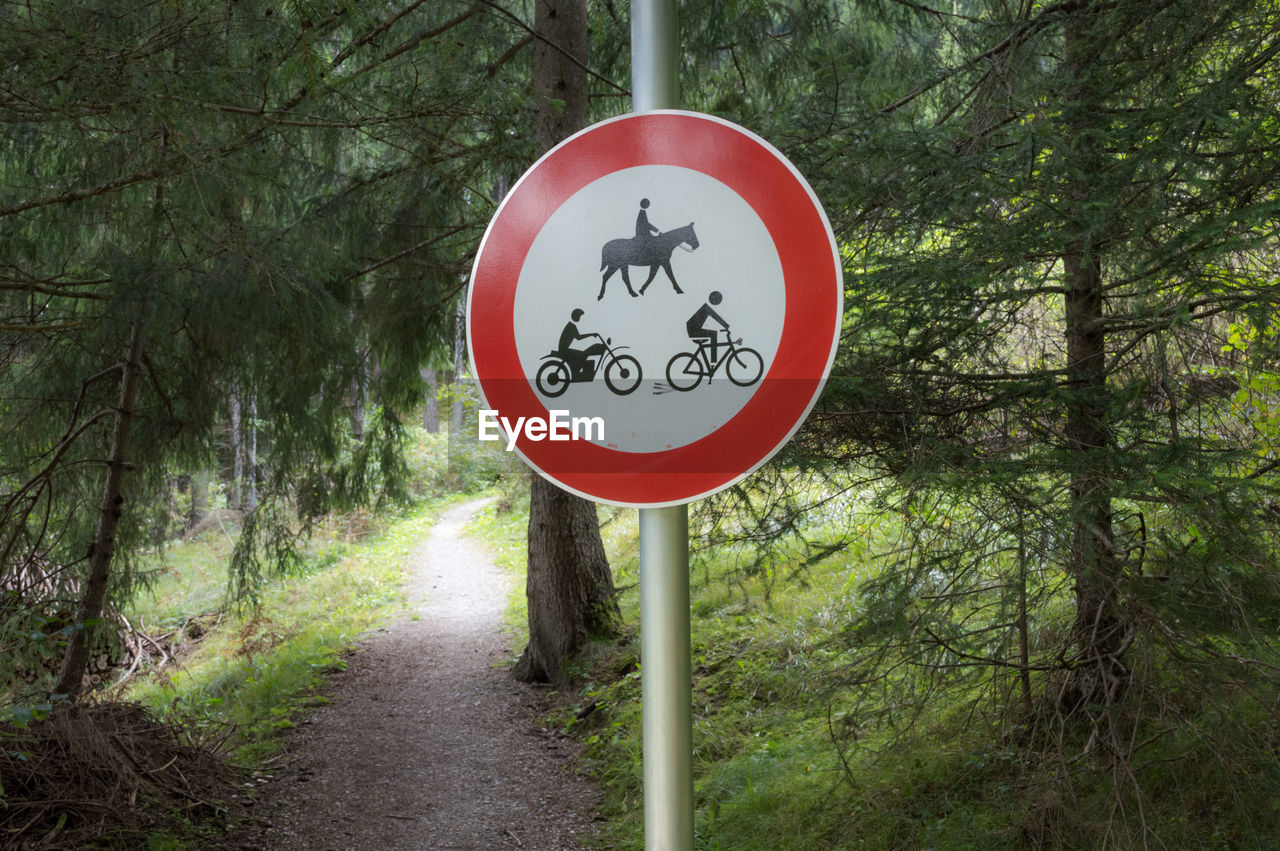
275,201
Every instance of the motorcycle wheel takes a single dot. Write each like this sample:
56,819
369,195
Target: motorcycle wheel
622,374
553,378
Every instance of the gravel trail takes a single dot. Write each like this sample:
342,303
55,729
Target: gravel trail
428,743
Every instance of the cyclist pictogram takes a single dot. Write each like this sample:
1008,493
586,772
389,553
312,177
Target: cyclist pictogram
742,365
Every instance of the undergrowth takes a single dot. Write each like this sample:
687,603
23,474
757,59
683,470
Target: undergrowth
257,667
262,666
789,753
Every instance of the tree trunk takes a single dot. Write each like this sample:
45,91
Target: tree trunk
1099,629
457,405
237,453
251,456
569,586
431,404
200,480
76,658
559,76
457,402
359,401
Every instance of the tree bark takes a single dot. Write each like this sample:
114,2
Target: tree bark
237,453
456,402
1099,630
569,585
560,93
359,402
431,404
200,480
251,456
76,658
457,405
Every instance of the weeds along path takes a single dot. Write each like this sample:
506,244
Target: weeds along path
427,742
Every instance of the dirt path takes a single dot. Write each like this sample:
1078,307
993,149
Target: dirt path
427,744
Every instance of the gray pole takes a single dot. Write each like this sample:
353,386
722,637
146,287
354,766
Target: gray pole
654,55
666,695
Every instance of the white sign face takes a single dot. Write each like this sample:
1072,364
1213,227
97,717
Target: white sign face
564,270
670,279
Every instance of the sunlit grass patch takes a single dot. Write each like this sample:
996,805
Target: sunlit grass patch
184,579
261,666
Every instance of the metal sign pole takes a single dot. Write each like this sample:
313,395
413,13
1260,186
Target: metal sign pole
654,57
666,696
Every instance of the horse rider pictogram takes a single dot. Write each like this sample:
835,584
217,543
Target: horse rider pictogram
648,247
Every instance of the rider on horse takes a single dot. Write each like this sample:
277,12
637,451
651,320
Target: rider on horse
644,230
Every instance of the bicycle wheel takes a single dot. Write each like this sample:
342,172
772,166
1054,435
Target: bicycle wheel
553,378
745,367
622,374
684,371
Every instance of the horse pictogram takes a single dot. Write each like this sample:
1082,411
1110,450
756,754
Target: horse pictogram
646,248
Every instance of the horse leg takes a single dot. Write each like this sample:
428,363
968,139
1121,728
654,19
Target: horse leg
626,279
653,273
666,267
608,272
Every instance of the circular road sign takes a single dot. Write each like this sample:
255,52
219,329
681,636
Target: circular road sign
654,309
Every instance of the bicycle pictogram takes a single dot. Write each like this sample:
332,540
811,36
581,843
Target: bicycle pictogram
742,365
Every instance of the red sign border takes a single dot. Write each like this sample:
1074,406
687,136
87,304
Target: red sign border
813,282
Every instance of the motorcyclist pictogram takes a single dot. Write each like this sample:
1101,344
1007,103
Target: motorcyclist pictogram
568,365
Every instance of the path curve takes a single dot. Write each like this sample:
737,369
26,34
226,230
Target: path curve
428,743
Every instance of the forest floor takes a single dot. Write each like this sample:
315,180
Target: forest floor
427,742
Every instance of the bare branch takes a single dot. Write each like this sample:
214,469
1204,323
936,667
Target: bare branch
554,46
415,41
510,54
346,52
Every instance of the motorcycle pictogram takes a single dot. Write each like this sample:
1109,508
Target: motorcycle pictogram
621,371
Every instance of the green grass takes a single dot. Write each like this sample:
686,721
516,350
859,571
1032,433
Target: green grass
258,669
771,699
764,767
252,673
184,580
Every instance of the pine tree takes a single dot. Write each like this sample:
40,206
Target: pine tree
569,585
254,195
1057,217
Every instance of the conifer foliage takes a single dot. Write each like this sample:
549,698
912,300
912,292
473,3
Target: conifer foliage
1060,221
248,213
